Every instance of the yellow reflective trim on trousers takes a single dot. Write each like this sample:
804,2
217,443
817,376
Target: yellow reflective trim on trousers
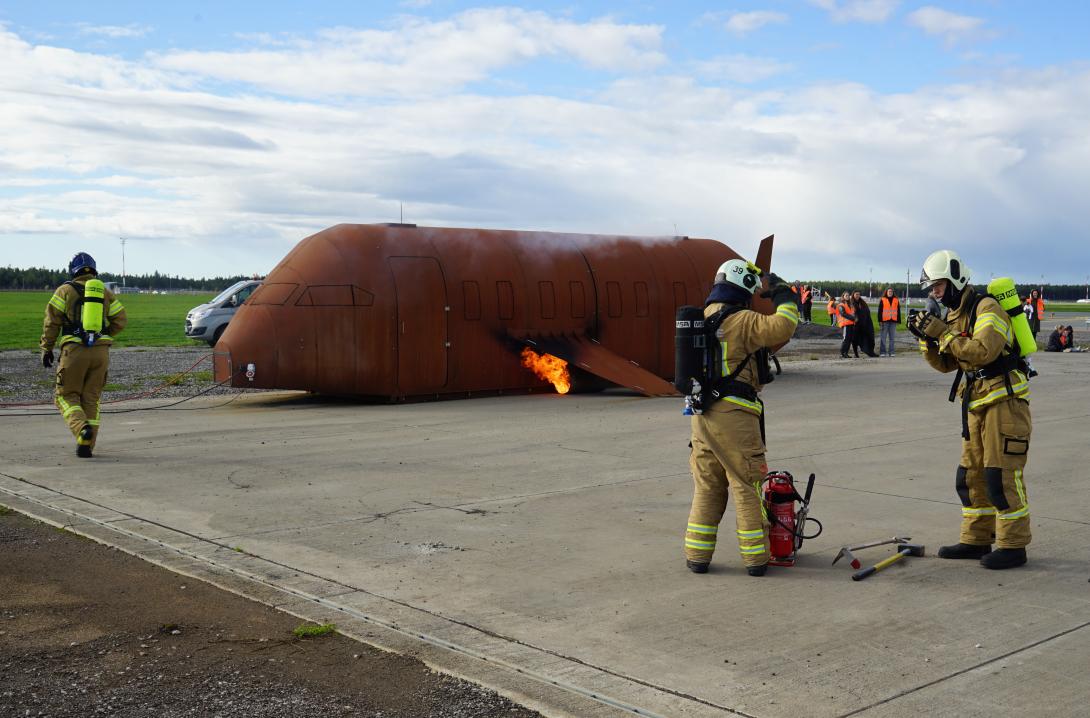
93,422
1021,390
988,511
754,533
68,412
702,529
1019,486
1012,515
744,403
64,405
751,544
923,346
693,543
751,551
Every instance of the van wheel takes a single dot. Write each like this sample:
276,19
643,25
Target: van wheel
218,334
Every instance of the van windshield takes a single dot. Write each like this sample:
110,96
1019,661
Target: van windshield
227,292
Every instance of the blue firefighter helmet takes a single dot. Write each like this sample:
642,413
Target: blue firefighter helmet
82,263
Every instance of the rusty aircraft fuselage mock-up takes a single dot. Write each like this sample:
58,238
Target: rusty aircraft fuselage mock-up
395,312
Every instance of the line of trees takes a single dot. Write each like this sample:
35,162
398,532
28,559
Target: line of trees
1053,292
42,278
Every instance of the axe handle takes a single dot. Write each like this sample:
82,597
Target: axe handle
860,575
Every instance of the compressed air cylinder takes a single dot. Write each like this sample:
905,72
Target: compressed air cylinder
1003,289
689,348
94,297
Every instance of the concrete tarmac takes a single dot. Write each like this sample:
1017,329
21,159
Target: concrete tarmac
534,543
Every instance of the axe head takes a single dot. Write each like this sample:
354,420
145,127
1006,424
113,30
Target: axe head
846,551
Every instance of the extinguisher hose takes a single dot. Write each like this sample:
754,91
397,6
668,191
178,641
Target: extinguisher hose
798,531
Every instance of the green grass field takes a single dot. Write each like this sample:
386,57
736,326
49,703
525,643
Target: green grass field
158,320
155,320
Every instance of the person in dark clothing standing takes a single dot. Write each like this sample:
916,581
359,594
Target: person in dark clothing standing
864,327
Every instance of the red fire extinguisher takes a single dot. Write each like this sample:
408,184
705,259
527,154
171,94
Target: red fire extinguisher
787,523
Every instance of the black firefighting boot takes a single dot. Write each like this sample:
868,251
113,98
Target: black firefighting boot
964,550
1004,558
757,570
83,442
697,566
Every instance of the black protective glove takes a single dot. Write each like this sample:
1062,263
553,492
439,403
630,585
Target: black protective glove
927,326
779,291
47,359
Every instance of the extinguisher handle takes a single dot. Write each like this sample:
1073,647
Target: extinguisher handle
860,575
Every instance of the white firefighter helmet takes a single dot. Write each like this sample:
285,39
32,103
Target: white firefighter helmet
944,264
740,273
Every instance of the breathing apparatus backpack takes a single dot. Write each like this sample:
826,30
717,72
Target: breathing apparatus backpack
698,360
1015,355
90,311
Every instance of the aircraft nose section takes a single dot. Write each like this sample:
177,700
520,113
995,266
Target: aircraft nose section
245,356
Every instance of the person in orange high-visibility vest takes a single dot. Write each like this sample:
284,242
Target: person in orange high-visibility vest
1036,311
807,295
846,321
830,307
889,316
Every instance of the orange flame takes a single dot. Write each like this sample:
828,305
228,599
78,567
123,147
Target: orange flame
549,368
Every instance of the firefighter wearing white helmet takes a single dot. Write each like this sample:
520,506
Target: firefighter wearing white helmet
977,341
727,438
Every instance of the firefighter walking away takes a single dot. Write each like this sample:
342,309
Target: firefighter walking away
81,319
728,447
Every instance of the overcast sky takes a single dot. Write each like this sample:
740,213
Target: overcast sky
863,133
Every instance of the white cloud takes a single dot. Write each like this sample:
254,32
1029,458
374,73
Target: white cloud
870,11
952,28
420,56
114,31
742,23
846,177
741,68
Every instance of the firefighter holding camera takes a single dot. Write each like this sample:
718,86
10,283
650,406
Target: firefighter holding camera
81,318
980,340
728,447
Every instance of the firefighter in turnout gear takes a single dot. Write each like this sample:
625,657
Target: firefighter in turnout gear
81,319
977,340
728,447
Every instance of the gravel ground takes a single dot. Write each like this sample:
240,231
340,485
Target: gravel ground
87,631
133,371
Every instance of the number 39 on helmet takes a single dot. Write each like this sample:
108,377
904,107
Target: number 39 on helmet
740,273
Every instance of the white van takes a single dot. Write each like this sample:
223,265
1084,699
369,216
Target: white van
206,322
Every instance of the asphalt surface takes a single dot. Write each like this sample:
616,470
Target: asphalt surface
534,544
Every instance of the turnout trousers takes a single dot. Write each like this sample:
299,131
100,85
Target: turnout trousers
727,452
81,374
989,481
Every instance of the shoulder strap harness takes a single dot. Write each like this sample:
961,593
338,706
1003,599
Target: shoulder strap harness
1008,360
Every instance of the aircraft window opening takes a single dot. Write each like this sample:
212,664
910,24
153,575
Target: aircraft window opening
505,300
642,302
471,295
613,299
578,300
548,300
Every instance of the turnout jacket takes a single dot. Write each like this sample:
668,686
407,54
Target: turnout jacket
61,317
740,335
972,348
